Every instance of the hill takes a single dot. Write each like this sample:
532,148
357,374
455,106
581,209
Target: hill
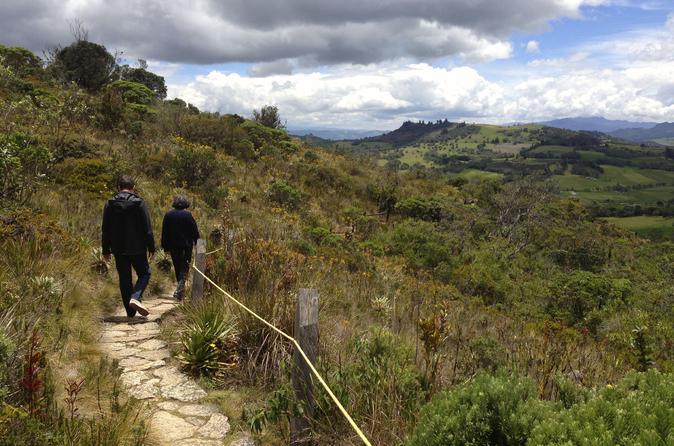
661,131
455,290
335,134
596,124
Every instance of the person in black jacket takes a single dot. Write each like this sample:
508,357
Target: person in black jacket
179,234
127,234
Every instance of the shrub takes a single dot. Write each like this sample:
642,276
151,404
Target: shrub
133,92
152,81
209,339
323,236
196,165
636,411
21,61
268,116
91,175
577,295
490,410
284,194
428,209
23,164
382,385
421,243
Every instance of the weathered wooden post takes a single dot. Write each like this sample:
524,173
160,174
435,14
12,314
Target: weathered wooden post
198,279
306,334
229,243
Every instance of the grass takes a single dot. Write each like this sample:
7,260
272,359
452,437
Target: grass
647,226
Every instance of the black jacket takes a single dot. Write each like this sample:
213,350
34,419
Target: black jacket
179,230
126,226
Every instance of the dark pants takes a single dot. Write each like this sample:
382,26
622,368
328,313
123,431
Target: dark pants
181,262
142,268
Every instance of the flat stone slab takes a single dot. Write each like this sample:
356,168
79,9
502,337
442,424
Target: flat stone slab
198,410
217,427
187,391
171,427
152,344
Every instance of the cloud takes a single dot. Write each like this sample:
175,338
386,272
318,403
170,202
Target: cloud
533,47
373,97
303,32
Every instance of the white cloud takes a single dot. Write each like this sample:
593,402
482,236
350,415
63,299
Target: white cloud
533,46
371,97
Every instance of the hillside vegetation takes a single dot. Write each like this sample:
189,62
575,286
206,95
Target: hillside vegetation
466,302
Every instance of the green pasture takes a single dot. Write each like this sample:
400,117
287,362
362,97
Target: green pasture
647,226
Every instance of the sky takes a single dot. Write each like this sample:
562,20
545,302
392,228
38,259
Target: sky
372,64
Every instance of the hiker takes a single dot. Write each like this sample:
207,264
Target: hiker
179,233
127,234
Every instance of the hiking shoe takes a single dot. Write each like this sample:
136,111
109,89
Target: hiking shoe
139,307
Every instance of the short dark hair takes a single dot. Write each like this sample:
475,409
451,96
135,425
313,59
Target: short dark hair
180,202
125,182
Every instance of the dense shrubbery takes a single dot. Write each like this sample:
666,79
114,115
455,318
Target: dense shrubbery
285,194
504,410
24,162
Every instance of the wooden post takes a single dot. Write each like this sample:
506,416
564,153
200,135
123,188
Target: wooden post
306,334
198,279
229,243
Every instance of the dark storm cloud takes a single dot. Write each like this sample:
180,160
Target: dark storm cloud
306,32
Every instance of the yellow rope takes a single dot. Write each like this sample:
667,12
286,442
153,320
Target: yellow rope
299,349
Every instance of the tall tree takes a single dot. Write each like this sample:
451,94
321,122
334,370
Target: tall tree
87,64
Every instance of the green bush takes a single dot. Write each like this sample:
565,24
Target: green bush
428,209
575,297
421,243
21,61
91,175
381,384
322,236
197,166
133,92
490,410
23,164
284,194
639,410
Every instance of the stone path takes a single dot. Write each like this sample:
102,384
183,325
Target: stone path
177,415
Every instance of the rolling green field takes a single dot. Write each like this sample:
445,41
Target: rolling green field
614,176
647,226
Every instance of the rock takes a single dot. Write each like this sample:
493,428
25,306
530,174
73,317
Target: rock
245,441
198,410
152,344
144,391
186,391
168,405
156,354
171,427
134,363
195,421
217,427
198,442
170,376
131,379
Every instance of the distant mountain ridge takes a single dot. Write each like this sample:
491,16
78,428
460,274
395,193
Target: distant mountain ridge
663,130
336,134
596,124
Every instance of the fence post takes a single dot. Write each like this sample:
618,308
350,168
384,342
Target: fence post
306,334
198,279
